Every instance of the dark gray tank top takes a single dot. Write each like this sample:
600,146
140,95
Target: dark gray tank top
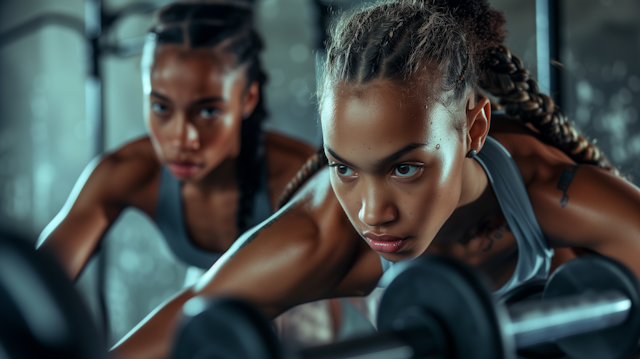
534,254
170,218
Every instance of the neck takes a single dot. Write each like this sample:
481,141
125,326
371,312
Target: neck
222,177
476,200
474,182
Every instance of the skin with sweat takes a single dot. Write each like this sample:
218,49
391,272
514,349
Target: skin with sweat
195,103
399,182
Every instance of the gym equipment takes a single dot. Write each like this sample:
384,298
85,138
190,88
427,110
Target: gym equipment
532,290
596,275
606,295
437,307
41,315
228,328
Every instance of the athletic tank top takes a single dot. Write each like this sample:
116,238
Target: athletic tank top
534,254
170,218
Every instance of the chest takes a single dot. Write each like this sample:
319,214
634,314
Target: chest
210,217
486,243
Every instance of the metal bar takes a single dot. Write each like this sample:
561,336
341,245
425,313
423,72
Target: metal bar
39,22
94,99
536,322
548,41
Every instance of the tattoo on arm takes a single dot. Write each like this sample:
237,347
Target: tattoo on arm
565,181
253,233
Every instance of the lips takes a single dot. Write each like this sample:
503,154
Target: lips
183,169
384,243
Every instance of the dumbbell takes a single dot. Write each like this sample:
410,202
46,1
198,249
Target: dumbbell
438,308
41,314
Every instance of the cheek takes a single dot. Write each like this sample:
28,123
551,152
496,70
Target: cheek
225,130
156,134
347,198
430,204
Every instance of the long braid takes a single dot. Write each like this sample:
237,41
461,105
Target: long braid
463,38
313,165
505,77
229,24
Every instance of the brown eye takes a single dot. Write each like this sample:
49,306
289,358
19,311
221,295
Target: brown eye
209,112
344,170
159,108
406,170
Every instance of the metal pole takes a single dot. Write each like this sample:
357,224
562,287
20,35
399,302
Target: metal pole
548,16
95,131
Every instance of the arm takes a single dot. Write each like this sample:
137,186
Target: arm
306,251
585,206
104,188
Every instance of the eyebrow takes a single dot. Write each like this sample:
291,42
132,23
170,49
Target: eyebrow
385,161
195,103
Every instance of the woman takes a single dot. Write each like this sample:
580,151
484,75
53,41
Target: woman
415,167
207,172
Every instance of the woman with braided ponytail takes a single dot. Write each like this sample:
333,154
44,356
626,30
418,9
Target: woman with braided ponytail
207,172
417,163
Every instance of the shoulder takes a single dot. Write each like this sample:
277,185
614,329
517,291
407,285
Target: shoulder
126,170
536,160
287,148
284,156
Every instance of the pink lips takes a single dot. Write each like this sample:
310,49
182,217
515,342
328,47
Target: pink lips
384,243
183,169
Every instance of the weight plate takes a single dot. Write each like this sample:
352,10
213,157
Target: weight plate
227,329
41,314
459,301
598,274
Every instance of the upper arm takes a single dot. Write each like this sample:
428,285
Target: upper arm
302,253
104,188
586,206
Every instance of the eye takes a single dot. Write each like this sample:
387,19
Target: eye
159,108
345,171
209,112
405,170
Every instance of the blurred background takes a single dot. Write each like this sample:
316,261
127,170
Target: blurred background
48,110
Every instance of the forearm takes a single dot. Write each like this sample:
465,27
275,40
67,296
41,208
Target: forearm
153,338
73,243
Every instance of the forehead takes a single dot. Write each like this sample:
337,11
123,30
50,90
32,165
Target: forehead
382,117
198,69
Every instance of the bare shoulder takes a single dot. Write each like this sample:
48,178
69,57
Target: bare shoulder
536,160
302,253
123,175
576,205
284,157
287,146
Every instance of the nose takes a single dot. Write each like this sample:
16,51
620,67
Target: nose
375,209
185,134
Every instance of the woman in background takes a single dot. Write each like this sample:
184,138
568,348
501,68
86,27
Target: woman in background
207,172
417,164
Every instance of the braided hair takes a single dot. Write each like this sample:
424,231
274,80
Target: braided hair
208,25
464,40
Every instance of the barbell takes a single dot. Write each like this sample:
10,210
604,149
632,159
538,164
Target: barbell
436,307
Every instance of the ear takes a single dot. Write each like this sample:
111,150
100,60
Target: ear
251,97
478,122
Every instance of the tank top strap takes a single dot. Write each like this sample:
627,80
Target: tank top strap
534,253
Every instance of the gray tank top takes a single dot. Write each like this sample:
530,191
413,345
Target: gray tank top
534,254
170,219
